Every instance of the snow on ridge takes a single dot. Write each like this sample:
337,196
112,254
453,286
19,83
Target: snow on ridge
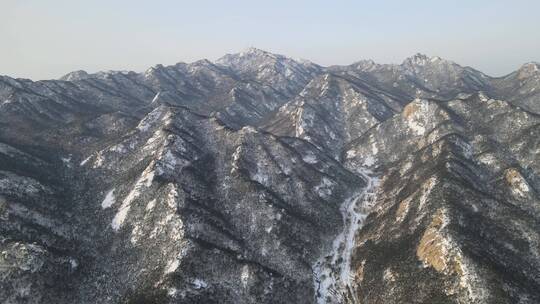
145,180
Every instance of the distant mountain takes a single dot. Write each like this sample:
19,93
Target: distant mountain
263,179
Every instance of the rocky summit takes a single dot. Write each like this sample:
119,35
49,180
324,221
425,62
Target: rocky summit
258,178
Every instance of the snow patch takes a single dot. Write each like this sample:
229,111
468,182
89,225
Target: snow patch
109,200
236,158
369,161
245,275
417,127
325,188
73,263
66,160
172,266
260,177
85,161
199,284
144,181
518,185
156,97
151,204
150,119
309,158
374,148
7,101
119,148
99,161
405,167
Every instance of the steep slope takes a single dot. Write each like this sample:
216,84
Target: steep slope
456,216
330,111
242,203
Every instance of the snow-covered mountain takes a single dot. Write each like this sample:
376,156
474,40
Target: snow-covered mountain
263,179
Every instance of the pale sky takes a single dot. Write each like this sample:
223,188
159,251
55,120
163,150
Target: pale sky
44,39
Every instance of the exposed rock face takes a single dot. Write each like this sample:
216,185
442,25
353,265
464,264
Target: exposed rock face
261,179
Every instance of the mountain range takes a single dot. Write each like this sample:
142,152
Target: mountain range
259,178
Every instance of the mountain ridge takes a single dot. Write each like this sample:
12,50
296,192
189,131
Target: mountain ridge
255,50
239,182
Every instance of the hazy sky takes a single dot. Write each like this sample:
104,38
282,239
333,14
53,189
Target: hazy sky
42,39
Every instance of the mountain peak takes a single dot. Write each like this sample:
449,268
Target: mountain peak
255,51
75,75
529,69
251,55
422,59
